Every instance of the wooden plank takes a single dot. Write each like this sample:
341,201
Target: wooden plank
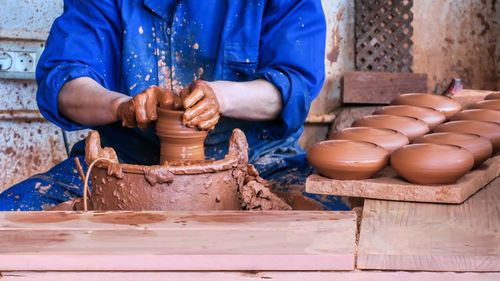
142,241
249,276
388,186
432,237
380,87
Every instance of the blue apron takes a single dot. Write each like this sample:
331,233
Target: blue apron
128,46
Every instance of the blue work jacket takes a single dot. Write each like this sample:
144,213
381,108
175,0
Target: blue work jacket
130,45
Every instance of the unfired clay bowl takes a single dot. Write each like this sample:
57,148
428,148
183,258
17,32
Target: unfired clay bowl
488,130
487,104
430,116
408,126
388,139
444,104
429,163
480,147
479,115
493,96
347,160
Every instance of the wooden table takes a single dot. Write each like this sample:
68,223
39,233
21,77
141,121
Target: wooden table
395,236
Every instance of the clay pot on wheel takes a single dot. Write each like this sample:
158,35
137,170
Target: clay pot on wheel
388,139
444,104
429,163
488,130
178,142
188,185
408,126
480,147
430,116
347,160
493,96
479,115
487,104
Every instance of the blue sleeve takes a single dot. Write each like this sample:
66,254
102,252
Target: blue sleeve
291,57
83,42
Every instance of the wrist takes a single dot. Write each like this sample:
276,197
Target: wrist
117,106
219,94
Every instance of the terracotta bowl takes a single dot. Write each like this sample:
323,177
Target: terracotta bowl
493,96
487,104
444,104
488,130
429,163
388,139
347,160
480,147
408,126
430,116
479,115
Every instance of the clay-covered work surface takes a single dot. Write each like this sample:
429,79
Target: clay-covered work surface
145,241
388,186
357,275
432,237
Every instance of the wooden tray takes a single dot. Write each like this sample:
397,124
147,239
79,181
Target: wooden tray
388,186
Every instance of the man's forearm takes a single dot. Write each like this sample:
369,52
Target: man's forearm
257,100
86,102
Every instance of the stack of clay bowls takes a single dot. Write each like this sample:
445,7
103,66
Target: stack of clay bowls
493,96
439,157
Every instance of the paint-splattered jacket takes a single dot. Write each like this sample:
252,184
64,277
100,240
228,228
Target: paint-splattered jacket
129,45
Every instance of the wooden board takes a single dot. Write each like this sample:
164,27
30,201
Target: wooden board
388,186
249,276
143,241
432,237
380,87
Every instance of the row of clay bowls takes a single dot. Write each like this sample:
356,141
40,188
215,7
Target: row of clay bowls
439,158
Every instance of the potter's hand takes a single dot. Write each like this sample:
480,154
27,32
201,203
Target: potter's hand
202,107
140,110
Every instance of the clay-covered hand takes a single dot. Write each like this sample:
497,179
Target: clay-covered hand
201,105
140,110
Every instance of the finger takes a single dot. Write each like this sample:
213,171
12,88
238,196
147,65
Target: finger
207,115
150,108
198,109
140,110
196,95
209,124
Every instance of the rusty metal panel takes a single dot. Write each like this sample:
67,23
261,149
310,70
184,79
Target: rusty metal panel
457,39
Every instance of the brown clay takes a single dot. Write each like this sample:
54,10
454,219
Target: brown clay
347,160
493,96
178,142
388,139
479,115
487,104
488,130
444,104
430,116
408,126
429,163
183,185
480,147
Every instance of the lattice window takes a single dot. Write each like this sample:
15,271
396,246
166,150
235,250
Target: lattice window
383,35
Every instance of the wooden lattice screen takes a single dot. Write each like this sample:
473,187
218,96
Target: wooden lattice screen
383,35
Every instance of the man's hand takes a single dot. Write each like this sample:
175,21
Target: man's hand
202,107
140,110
